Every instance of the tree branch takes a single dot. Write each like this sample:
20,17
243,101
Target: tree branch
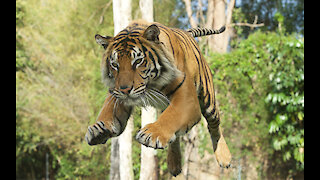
252,26
103,11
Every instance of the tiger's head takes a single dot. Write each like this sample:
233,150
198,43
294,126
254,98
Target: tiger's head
135,65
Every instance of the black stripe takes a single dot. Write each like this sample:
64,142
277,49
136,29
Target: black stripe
100,125
120,36
170,93
134,35
139,91
143,77
203,66
154,62
139,86
146,71
206,106
127,40
144,49
120,123
207,115
203,31
134,32
188,40
164,30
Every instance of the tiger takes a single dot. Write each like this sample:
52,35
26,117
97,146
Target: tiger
149,64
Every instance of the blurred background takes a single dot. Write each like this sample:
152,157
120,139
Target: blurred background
258,70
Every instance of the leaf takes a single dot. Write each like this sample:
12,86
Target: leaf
300,116
273,127
287,156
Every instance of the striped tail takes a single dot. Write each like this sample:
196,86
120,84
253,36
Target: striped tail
197,32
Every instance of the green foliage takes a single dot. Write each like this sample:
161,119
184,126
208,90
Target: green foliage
58,87
285,100
21,57
260,89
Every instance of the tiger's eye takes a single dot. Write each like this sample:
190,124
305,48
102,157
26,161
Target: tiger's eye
114,65
138,61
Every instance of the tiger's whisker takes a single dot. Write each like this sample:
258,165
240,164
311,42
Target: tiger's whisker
146,97
111,99
115,106
160,98
153,100
143,100
161,95
149,97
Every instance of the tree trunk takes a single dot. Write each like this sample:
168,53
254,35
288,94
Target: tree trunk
125,151
217,42
149,168
114,159
146,8
191,168
121,14
220,17
121,147
192,21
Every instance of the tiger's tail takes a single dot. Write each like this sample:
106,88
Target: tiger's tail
197,32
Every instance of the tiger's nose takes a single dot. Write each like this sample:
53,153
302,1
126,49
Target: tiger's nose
125,89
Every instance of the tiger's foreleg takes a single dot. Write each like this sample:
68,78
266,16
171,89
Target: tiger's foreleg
179,117
111,122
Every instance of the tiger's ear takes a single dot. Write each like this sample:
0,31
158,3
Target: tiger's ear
152,33
103,40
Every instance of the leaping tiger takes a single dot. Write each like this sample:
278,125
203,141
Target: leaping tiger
149,64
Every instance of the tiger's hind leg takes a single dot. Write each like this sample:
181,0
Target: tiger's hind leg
220,148
174,158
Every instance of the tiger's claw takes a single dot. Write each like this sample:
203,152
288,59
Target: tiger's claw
150,136
97,134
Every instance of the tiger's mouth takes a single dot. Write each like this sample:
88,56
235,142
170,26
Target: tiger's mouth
145,97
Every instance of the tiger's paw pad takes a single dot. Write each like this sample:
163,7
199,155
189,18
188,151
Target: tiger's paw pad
97,134
225,166
150,136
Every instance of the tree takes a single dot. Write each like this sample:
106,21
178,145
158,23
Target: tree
216,18
149,114
121,18
220,42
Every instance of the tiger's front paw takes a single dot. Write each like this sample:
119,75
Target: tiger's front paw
153,136
99,133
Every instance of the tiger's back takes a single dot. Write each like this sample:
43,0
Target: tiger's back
187,57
